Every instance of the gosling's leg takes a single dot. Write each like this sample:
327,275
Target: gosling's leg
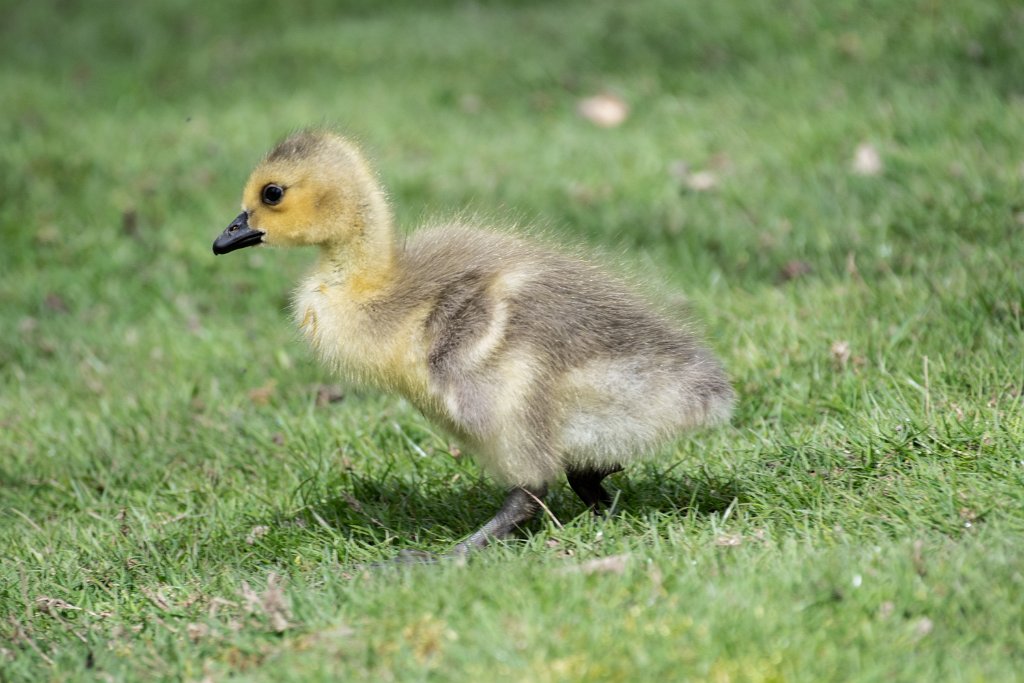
520,506
586,483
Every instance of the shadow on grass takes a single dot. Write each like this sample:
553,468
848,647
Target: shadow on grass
682,492
433,513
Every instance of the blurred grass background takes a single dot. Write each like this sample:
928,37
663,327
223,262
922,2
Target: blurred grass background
175,479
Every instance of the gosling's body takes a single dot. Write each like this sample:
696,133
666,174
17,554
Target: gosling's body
541,363
535,359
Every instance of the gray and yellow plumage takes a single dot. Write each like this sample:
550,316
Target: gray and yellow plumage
540,362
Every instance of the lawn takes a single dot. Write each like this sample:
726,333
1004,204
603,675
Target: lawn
832,192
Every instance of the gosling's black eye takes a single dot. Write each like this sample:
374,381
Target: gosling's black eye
272,194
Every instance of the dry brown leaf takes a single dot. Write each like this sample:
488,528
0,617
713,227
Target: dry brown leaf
329,393
196,632
55,302
47,235
271,603
923,627
794,269
702,181
52,605
256,533
698,181
261,395
729,540
679,169
587,195
604,110
851,266
840,352
720,161
216,603
470,103
130,223
155,597
613,564
866,160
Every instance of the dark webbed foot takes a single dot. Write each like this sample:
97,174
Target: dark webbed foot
519,507
586,483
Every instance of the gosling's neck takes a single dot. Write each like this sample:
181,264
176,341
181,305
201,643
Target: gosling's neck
365,263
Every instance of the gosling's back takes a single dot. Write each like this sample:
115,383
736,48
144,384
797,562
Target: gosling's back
543,361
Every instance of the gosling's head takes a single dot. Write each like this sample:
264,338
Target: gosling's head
314,188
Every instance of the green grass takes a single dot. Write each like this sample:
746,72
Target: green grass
175,503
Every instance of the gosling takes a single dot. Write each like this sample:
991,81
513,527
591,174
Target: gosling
537,361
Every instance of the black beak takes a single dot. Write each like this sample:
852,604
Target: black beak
237,235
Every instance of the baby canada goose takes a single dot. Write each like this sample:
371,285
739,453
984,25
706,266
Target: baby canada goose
539,362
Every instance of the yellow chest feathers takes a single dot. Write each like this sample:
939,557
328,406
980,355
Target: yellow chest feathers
364,348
